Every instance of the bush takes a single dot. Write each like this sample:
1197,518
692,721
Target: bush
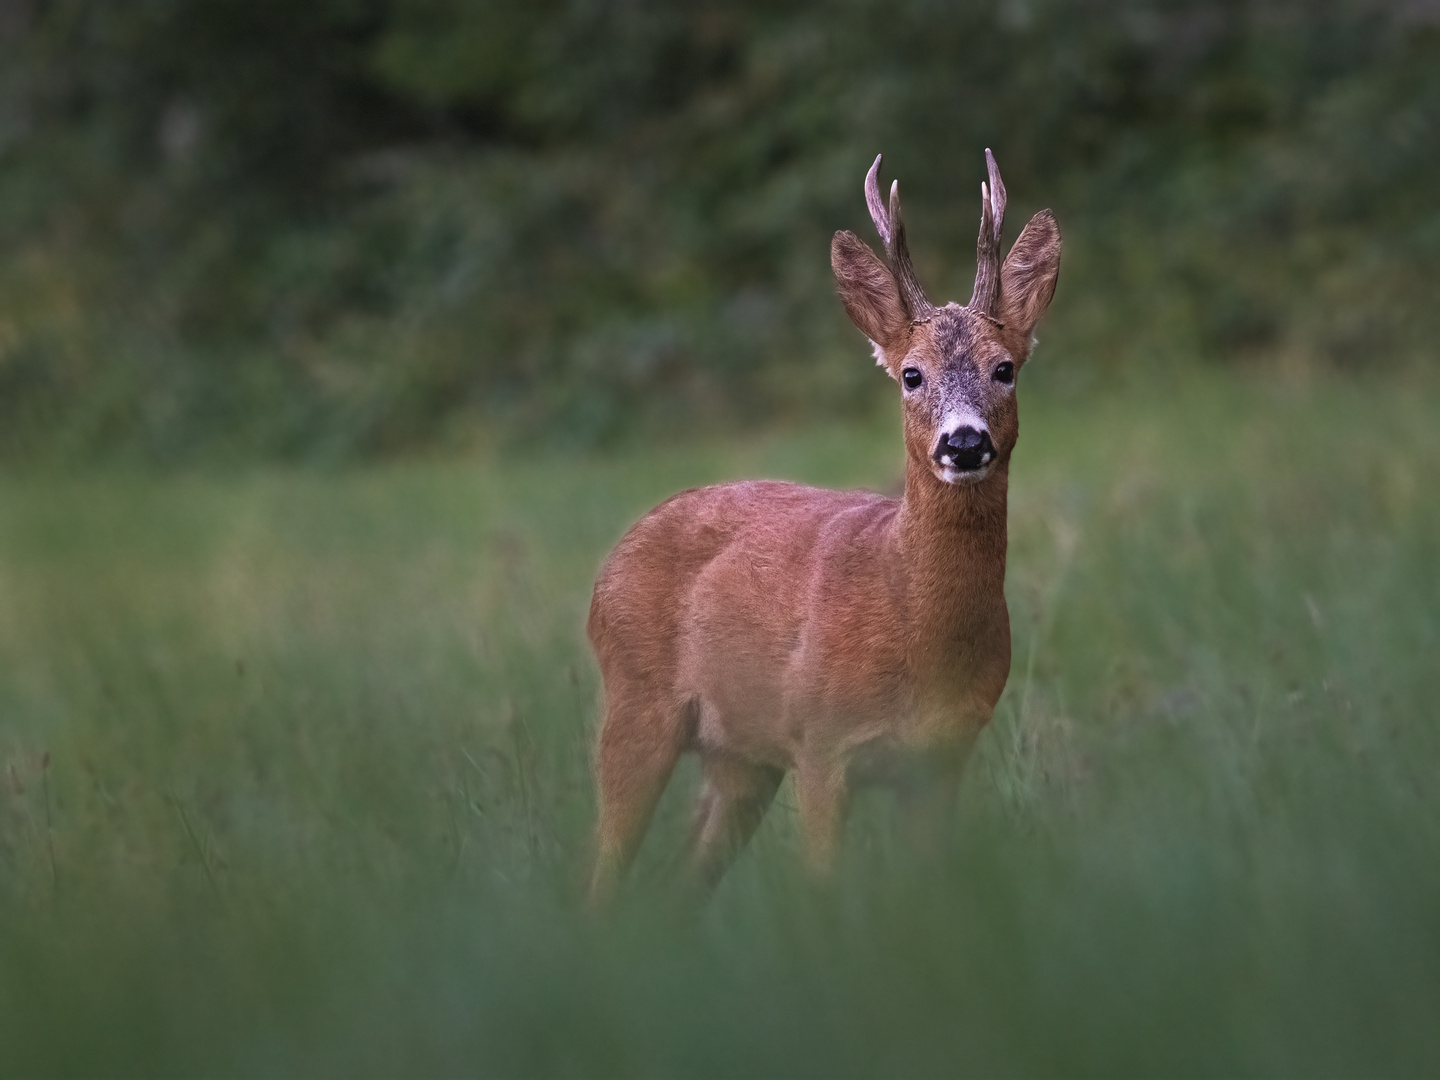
358,227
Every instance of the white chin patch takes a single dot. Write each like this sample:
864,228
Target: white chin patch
961,477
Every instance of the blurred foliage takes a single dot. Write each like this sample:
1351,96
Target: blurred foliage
294,772
349,227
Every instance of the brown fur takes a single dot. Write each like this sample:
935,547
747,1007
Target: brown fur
844,636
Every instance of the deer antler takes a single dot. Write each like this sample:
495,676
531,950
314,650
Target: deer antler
987,247
891,228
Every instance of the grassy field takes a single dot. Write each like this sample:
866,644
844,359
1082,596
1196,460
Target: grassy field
294,771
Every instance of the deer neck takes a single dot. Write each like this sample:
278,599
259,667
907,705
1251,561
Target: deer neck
951,544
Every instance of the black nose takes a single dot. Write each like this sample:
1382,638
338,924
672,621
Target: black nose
965,448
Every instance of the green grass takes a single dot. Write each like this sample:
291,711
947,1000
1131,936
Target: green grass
317,799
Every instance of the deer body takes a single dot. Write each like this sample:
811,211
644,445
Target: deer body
844,636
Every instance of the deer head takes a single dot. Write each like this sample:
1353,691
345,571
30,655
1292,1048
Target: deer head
956,365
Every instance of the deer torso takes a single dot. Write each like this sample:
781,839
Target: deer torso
808,621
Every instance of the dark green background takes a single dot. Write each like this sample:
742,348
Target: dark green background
340,228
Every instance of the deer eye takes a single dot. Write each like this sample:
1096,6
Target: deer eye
912,378
1005,373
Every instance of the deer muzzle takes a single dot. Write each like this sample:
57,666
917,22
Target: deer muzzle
966,448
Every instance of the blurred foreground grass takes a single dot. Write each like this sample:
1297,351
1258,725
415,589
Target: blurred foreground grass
294,772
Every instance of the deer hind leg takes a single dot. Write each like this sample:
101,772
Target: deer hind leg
640,741
732,804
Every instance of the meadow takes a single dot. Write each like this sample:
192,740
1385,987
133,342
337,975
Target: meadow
293,768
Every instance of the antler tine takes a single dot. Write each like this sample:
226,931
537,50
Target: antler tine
877,208
915,299
987,246
891,227
997,193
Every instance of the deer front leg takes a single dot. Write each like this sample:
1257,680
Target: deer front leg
927,811
821,790
928,795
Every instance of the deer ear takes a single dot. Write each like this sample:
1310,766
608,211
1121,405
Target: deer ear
1027,280
868,290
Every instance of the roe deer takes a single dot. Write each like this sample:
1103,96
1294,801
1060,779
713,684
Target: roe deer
848,636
